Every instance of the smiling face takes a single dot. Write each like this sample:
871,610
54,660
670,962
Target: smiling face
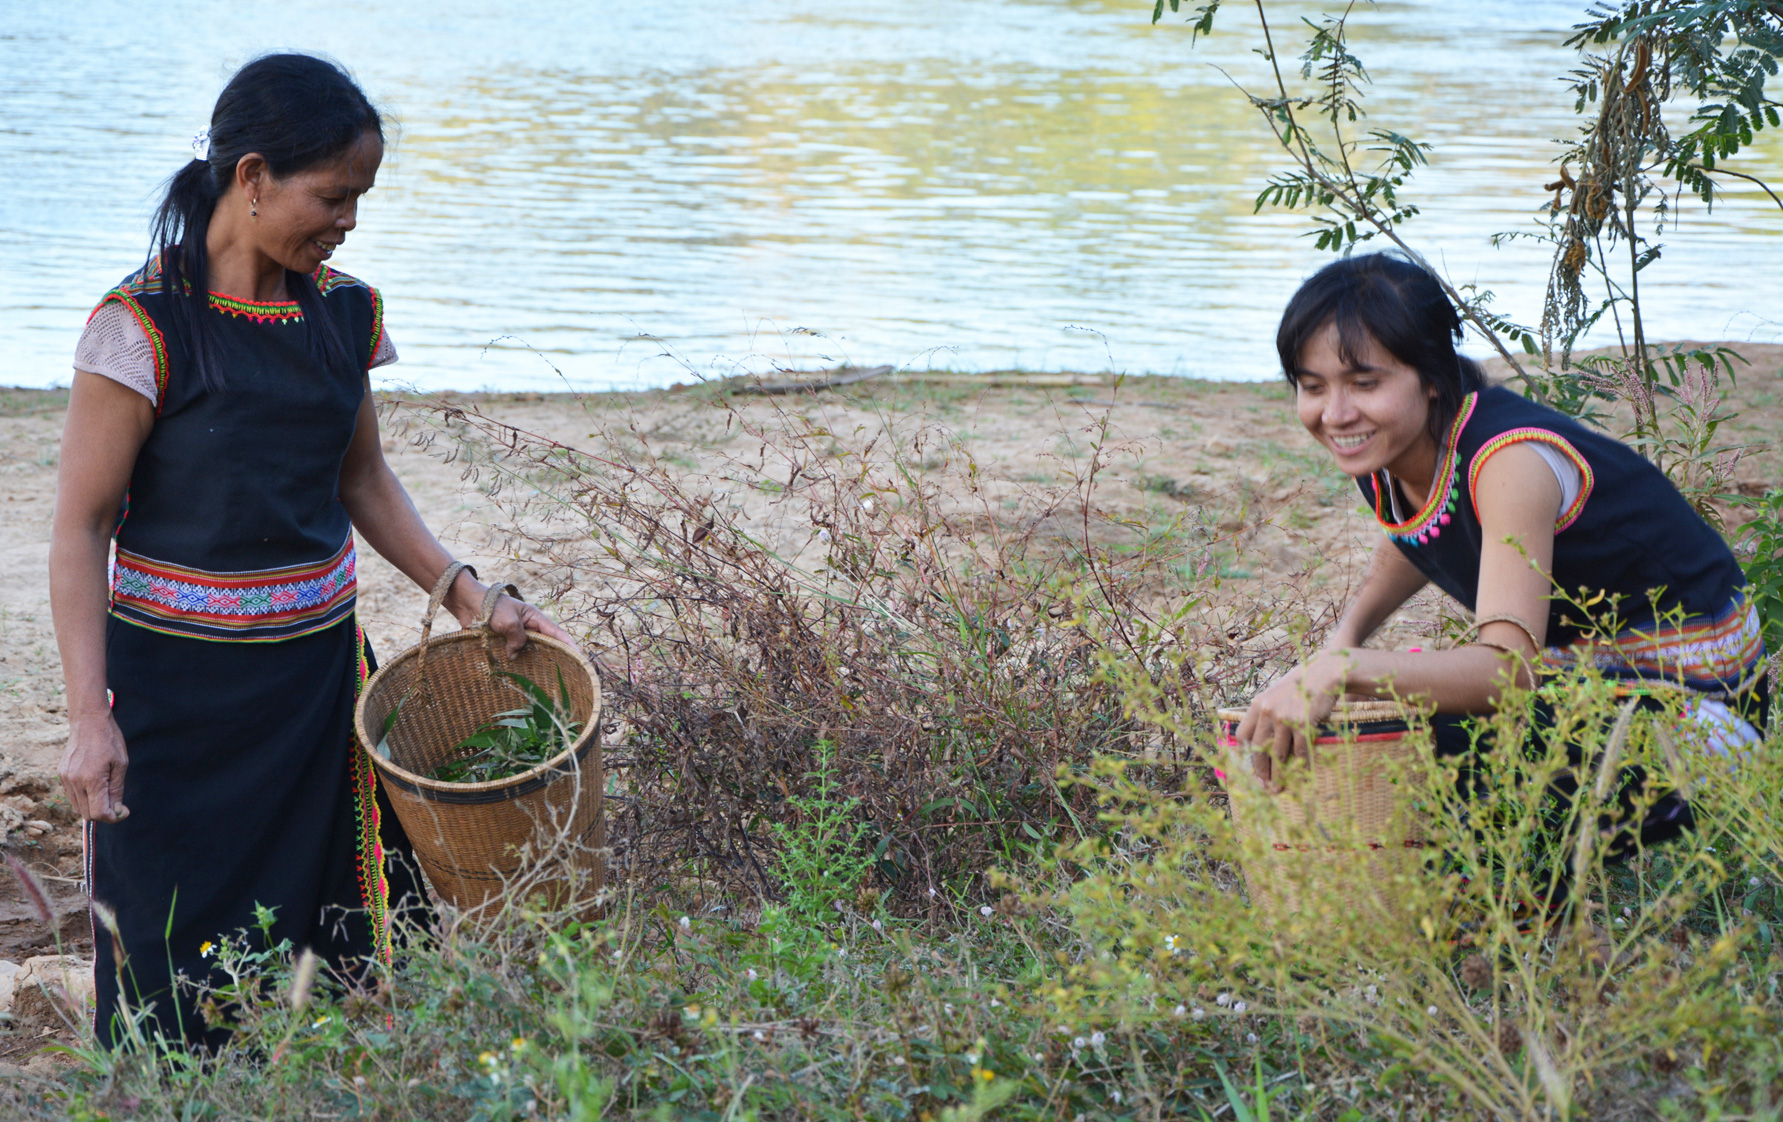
305,216
1371,410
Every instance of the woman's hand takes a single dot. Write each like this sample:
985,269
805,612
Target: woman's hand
93,769
512,618
1277,723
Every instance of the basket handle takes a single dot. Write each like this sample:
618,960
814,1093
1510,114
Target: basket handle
490,599
434,599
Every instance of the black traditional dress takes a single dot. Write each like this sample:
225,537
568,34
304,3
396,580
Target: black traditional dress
234,659
1647,593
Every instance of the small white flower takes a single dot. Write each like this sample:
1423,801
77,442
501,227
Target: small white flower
972,1058
1197,1013
359,1081
686,924
1170,944
995,1003
867,504
1223,999
932,892
751,974
841,952
1620,922
1096,1039
823,536
1239,1007
897,1061
1115,1095
1180,1011
1754,882
879,927
1250,1038
759,1035
987,911
1430,1012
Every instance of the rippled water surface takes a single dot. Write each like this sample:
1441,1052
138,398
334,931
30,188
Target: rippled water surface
641,192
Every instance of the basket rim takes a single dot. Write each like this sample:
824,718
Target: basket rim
1369,711
467,634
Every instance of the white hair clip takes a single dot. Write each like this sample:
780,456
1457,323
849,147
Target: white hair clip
201,146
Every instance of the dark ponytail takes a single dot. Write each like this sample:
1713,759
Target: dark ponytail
1400,306
297,111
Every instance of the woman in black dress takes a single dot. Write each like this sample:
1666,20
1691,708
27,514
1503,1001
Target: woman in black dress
221,432
1498,501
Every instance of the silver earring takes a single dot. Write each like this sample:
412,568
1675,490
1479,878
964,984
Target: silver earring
254,209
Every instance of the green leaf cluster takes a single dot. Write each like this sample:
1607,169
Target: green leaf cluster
515,740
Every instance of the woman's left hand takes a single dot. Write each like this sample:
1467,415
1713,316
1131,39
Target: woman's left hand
1275,726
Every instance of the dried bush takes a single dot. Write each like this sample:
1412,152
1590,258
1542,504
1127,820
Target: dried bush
940,627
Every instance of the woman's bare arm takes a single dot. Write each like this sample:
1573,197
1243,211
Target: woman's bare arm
386,518
106,426
1390,581
1518,499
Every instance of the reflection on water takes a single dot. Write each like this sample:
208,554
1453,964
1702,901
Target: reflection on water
642,192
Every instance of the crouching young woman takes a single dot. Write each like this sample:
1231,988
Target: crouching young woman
1499,501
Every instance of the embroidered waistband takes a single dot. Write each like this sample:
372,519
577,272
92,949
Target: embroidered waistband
261,606
1709,655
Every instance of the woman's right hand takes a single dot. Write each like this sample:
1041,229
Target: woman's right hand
1277,724
93,769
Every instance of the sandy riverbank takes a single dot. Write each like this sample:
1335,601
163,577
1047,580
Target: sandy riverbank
1234,449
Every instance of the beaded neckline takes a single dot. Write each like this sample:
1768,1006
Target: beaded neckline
1439,508
260,311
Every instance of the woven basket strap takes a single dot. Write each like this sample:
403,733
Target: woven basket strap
441,588
487,612
492,598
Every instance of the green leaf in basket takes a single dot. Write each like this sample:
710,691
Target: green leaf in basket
516,740
389,723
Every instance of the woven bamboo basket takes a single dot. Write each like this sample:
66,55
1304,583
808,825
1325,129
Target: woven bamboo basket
1342,821
474,839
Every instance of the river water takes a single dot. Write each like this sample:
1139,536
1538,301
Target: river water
640,192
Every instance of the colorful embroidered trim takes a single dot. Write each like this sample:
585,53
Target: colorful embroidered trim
1439,508
147,323
377,325
327,279
1703,654
1514,436
374,887
145,280
262,606
259,311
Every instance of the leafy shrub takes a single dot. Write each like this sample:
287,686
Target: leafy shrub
1761,540
1658,981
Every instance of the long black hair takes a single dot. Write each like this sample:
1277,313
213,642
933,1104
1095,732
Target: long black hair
1397,304
297,111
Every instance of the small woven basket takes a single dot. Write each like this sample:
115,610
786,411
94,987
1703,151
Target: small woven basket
1353,828
474,840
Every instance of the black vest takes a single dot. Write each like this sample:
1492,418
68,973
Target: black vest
233,526
1666,577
